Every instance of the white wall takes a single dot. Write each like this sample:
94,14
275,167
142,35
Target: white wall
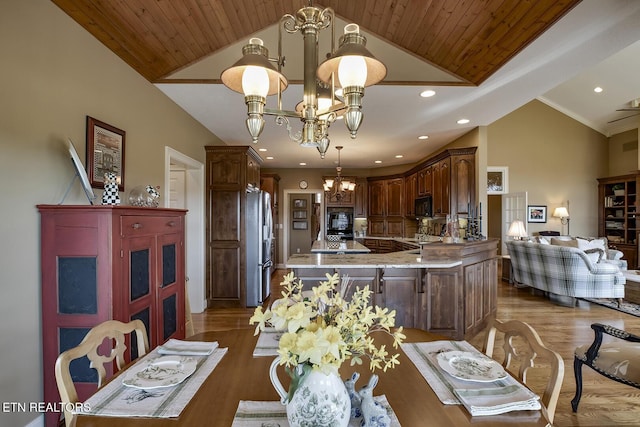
53,75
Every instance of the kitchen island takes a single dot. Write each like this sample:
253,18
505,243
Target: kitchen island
450,289
340,247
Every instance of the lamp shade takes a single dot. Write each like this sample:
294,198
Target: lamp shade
517,230
561,212
352,44
254,56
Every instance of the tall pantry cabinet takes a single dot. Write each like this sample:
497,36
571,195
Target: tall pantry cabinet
108,262
230,172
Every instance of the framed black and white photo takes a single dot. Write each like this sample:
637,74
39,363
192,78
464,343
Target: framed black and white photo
299,203
299,214
536,213
299,225
497,180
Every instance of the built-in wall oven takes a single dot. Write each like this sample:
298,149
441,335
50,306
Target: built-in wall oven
340,222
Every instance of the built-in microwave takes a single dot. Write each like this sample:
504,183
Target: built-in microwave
423,207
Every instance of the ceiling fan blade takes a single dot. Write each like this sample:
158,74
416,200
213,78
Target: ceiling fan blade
630,109
622,118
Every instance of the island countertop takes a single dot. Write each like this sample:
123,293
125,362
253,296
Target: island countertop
344,246
403,259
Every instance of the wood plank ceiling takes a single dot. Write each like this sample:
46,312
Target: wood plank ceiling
470,39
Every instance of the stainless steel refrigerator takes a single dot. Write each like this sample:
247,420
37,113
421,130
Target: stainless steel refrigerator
259,235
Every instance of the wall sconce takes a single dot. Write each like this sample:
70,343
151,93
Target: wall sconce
517,230
563,214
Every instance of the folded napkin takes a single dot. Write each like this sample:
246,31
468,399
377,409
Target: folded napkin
188,348
492,401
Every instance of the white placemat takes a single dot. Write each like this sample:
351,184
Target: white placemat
188,348
267,344
480,398
274,414
117,400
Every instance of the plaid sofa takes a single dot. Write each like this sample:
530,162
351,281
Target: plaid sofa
563,270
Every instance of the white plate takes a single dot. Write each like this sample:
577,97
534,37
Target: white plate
470,366
165,371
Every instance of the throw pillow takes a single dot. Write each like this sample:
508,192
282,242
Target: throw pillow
542,240
595,254
587,243
569,243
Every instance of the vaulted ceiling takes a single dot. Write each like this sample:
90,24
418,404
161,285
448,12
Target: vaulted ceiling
484,58
470,39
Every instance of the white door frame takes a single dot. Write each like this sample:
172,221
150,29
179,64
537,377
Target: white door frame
514,206
286,221
194,223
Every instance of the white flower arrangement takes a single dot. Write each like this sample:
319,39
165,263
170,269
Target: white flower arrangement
324,330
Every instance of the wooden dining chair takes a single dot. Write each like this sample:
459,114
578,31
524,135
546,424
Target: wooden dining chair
525,350
111,331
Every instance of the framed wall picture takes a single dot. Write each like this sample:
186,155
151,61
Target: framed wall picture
300,214
300,203
536,213
299,225
105,152
497,180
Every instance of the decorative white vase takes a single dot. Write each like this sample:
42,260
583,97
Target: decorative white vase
319,400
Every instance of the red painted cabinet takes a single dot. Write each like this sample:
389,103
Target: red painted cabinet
108,262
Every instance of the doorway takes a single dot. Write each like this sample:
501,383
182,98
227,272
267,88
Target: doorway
184,181
314,220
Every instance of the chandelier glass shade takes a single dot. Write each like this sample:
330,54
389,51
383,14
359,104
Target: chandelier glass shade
338,186
351,67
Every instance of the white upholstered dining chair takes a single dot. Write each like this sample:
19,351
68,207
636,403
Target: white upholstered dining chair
111,331
523,344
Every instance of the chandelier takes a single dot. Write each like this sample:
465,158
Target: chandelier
337,187
351,68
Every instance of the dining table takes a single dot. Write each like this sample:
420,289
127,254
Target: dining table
241,376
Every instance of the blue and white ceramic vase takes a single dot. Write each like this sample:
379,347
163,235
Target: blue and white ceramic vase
320,399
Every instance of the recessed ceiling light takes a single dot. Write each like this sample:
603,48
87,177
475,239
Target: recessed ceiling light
463,121
597,89
423,137
262,149
427,93
269,157
378,161
303,164
399,156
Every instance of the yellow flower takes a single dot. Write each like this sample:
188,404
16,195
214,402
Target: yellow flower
326,330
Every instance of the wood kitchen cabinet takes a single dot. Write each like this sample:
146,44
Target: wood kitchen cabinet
386,206
410,193
360,210
480,282
108,262
425,181
397,288
463,183
441,186
230,172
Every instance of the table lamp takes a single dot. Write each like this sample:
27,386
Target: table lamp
517,230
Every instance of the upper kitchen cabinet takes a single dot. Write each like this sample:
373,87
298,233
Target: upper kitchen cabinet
230,172
410,190
360,210
425,181
463,182
441,186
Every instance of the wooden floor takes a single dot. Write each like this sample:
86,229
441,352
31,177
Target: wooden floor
604,402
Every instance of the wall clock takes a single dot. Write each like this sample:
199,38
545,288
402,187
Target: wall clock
303,184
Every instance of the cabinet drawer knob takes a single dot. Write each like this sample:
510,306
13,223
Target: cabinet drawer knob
171,223
136,225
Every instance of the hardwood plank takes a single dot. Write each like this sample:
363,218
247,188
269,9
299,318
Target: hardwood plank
604,402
